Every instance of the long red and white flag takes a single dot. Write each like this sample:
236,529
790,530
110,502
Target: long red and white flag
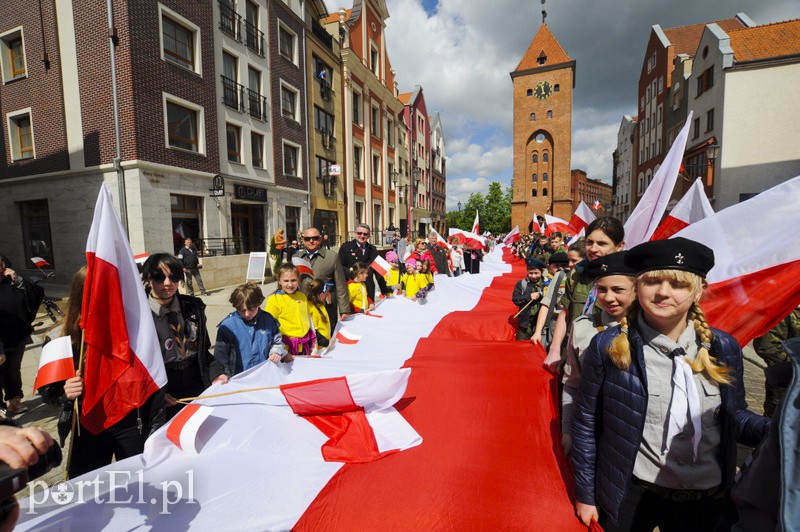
123,365
512,236
303,266
646,217
476,226
55,363
755,281
582,218
473,240
380,265
555,225
693,207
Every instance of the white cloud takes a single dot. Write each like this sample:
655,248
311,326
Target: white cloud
460,190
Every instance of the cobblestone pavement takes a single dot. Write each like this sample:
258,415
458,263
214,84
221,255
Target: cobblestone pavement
217,307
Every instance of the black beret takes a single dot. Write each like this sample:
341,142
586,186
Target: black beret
612,264
558,258
533,262
671,254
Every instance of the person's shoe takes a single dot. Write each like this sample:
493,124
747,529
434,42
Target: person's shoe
3,414
16,407
203,293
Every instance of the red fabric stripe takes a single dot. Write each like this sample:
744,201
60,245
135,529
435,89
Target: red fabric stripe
750,305
490,458
176,426
116,380
340,337
303,269
322,396
57,370
351,439
668,227
576,223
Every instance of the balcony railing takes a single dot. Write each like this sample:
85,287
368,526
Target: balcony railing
325,89
229,246
230,22
232,94
254,38
328,140
257,105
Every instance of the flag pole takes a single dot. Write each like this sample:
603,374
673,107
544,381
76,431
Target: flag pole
76,426
187,400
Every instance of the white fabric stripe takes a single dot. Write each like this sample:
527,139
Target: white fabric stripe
56,349
190,428
389,432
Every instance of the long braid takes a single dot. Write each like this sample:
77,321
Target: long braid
704,362
620,349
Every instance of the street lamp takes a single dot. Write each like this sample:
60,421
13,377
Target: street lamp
711,153
459,206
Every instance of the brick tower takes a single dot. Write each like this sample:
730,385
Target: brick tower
543,84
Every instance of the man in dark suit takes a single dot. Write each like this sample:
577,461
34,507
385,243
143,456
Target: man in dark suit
360,250
327,268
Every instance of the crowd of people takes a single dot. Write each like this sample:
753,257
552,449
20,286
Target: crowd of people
652,397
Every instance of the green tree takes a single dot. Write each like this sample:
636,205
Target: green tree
496,216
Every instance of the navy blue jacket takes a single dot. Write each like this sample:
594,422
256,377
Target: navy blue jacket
610,413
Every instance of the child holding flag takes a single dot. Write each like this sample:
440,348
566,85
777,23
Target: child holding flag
319,296
357,288
392,277
289,306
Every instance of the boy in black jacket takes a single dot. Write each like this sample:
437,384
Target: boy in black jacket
527,297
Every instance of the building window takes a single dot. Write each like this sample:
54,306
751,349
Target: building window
257,149
545,157
549,114
535,158
556,88
359,212
234,135
390,132
535,178
12,55
533,117
289,102
544,192
542,59
20,134
291,158
292,222
36,237
358,153
286,42
230,78
534,193
374,63
695,128
323,121
180,40
530,92
184,125
709,120
356,108
187,218
544,179
376,169
376,122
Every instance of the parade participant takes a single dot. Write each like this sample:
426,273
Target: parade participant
421,252
247,336
527,296
360,250
191,266
438,254
392,277
557,243
289,306
457,257
412,280
555,282
770,348
603,236
357,288
425,268
614,282
291,250
327,268
318,297
661,405
123,439
181,327
19,302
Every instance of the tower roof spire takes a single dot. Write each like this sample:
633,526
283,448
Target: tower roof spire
544,50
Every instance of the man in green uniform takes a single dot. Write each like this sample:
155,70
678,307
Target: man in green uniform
770,348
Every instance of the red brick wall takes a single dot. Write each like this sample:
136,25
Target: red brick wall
41,91
284,69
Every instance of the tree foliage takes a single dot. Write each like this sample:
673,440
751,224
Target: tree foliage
494,209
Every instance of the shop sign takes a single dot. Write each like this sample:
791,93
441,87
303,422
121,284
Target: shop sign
245,192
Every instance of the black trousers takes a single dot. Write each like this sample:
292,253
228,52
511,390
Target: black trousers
643,510
119,441
186,382
11,374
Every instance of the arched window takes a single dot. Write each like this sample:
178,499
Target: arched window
534,193
545,157
535,158
535,178
544,177
533,117
556,88
530,92
549,114
544,192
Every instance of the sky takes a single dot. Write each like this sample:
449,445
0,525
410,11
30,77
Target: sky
461,53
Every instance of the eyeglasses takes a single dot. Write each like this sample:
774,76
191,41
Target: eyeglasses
159,277
362,233
311,238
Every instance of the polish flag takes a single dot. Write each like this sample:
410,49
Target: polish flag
582,218
474,241
575,238
476,227
692,207
380,265
183,429
141,258
123,364
55,363
535,225
555,225
39,262
597,205
512,236
303,266
646,217
346,337
755,281
440,241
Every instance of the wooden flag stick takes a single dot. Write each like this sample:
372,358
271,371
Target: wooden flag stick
76,426
526,306
187,400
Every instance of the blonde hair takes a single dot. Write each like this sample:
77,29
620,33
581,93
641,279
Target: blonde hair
620,350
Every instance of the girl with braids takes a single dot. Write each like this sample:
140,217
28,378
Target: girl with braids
357,288
660,405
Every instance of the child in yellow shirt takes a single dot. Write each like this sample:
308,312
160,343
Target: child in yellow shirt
412,279
289,306
318,296
357,288
392,277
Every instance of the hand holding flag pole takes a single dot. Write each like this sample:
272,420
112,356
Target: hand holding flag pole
76,426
